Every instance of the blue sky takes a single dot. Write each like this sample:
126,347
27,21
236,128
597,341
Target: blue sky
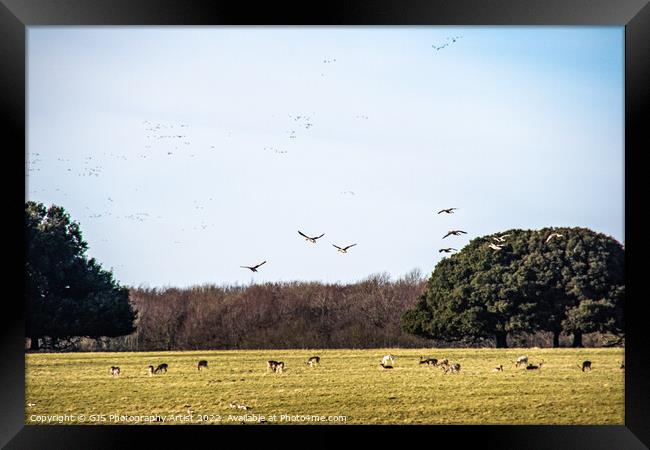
264,131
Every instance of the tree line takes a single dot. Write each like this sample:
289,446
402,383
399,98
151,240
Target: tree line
277,315
531,292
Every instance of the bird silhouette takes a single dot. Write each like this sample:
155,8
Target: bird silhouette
447,250
455,233
254,268
500,238
552,235
448,210
310,239
495,247
344,249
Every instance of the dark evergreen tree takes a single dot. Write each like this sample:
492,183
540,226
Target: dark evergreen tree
67,294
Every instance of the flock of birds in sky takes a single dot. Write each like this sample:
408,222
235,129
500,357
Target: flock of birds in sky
498,240
448,41
171,139
493,245
311,239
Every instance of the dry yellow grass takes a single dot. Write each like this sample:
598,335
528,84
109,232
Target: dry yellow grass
347,387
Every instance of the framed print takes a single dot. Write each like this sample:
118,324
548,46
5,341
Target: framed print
384,220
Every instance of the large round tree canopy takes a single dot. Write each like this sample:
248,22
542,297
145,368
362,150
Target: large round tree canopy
555,279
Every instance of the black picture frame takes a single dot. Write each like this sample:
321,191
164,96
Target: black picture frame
16,15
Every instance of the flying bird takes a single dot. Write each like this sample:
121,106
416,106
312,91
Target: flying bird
344,249
454,232
448,210
310,239
447,250
500,238
254,268
552,235
495,247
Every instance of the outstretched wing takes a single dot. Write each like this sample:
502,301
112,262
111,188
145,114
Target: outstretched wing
337,247
441,211
550,237
461,231
246,267
349,246
302,234
320,236
448,234
260,264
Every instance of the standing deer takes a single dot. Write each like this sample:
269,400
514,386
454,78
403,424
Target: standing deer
201,364
428,361
275,366
313,360
521,360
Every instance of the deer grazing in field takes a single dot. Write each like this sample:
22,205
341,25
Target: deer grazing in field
275,366
521,360
586,365
201,364
534,367
313,360
454,368
150,370
428,361
388,359
161,367
115,371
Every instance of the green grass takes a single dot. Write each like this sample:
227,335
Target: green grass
347,383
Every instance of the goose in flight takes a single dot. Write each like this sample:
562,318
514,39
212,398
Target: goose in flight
495,247
455,233
254,268
552,235
448,210
447,250
344,249
310,239
500,238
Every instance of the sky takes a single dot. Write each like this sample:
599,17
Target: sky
187,152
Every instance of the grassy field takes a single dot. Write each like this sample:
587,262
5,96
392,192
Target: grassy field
77,388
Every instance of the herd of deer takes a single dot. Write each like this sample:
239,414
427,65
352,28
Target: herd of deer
386,363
